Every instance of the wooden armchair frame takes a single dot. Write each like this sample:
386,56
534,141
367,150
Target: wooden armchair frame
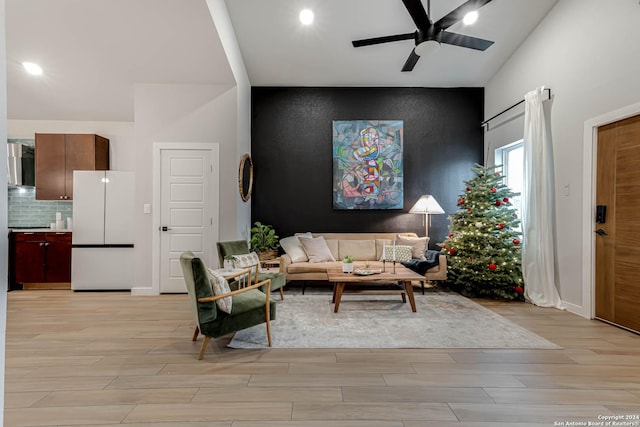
247,271
255,268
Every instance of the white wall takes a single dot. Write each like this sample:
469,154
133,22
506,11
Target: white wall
182,113
163,113
4,255
221,19
586,52
120,135
177,113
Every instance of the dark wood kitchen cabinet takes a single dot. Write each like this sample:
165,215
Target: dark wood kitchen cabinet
38,258
59,154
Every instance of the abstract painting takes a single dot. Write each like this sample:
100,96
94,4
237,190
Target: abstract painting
367,164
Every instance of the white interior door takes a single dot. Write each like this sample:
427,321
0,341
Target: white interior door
188,222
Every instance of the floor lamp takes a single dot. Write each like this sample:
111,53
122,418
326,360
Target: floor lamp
426,205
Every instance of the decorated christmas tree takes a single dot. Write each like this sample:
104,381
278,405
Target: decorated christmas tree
483,245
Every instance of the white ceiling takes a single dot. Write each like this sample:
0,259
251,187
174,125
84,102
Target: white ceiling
279,50
94,51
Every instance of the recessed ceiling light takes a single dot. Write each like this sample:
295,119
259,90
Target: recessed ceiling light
470,17
33,69
306,16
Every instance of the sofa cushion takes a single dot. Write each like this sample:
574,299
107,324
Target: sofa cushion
418,245
323,267
380,244
308,267
360,250
316,249
292,246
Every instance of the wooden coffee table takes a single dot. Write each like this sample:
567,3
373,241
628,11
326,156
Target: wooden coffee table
403,276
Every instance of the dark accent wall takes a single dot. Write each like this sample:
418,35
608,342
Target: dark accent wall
291,145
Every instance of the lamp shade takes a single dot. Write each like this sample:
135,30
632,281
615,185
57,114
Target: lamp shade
426,204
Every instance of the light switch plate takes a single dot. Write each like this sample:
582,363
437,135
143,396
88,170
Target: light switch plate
146,208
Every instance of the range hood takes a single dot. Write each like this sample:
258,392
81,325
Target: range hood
21,165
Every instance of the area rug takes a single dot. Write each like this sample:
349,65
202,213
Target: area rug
442,320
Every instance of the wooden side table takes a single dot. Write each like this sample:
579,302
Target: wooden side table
271,265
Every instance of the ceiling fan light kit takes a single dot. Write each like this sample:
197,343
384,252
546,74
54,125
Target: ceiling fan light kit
430,35
427,48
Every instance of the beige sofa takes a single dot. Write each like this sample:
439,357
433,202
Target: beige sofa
366,248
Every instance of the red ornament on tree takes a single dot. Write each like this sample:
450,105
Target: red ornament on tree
452,251
519,289
444,246
461,202
450,235
469,210
516,241
506,200
501,226
494,190
492,267
498,203
468,189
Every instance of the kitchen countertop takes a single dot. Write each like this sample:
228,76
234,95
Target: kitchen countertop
39,230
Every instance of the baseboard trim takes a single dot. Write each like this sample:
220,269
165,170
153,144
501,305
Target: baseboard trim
143,292
46,285
577,309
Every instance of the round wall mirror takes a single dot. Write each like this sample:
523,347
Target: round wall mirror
245,177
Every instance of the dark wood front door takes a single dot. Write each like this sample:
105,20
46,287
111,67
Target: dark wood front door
618,236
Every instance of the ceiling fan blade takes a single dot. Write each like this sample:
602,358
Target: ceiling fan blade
458,13
464,41
411,61
385,39
418,14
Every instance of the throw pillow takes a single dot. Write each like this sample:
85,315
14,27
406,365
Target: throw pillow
397,253
249,260
316,249
292,246
333,247
418,245
220,286
361,250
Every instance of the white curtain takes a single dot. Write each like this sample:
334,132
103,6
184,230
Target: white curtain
538,251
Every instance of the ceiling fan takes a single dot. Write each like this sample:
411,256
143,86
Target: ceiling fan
430,35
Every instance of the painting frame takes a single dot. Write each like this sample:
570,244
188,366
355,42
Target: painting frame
368,164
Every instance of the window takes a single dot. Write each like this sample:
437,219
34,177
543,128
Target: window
512,159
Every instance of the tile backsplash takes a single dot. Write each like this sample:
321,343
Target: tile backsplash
25,211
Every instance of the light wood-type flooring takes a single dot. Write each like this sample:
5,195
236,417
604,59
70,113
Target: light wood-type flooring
107,358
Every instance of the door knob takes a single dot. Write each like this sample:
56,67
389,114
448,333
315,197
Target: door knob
165,228
601,232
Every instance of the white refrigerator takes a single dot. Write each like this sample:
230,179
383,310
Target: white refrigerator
103,230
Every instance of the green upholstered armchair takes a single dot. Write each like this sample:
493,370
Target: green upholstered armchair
249,306
240,247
